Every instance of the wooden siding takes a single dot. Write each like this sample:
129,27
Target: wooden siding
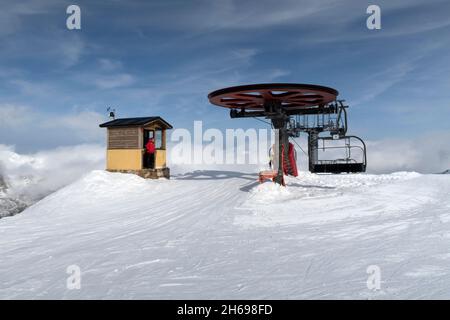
124,138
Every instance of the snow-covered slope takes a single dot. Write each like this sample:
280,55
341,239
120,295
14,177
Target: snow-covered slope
212,234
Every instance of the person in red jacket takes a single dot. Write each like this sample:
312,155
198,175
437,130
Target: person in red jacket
150,153
150,146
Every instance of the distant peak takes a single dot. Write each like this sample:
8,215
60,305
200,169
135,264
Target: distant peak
2,184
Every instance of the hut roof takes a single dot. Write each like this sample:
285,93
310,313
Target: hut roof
132,122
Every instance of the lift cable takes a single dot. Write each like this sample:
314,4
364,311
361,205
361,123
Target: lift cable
299,147
266,122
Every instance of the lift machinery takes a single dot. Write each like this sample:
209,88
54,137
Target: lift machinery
293,109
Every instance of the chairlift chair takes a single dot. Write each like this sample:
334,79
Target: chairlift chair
351,163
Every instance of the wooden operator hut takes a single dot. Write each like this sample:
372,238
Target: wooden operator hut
126,140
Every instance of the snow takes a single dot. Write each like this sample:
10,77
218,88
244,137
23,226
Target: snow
219,234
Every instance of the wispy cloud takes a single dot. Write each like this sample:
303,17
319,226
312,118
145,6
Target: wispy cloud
376,83
382,81
14,14
71,48
14,115
32,88
109,64
114,81
34,129
82,125
231,14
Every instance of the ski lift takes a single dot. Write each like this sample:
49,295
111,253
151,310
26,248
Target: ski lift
292,109
353,154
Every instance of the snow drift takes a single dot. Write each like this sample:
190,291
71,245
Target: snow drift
218,234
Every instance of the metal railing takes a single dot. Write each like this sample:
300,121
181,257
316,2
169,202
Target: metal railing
348,146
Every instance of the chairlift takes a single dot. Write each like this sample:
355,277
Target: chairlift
354,161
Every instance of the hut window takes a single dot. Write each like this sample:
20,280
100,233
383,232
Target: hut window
158,139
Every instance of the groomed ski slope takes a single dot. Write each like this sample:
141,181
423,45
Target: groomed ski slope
213,234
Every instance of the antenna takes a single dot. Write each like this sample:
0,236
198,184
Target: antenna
112,113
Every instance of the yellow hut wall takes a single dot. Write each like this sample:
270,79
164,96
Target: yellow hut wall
160,158
131,159
124,159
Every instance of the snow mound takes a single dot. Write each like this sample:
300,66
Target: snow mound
308,185
99,190
308,198
269,192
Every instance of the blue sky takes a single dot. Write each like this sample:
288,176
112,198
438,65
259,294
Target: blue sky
164,57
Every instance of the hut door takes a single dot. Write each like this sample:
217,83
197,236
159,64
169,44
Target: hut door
148,159
147,135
